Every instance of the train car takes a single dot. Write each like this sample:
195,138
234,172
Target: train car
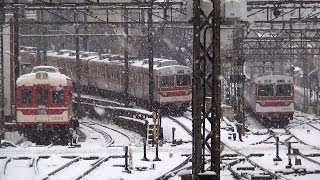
106,73
271,98
44,105
172,83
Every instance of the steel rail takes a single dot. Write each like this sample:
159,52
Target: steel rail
95,165
108,139
61,168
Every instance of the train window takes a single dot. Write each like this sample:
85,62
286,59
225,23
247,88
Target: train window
57,95
283,90
166,81
26,96
265,90
141,79
113,75
97,72
42,96
84,55
183,80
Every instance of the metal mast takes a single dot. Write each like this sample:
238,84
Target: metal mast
206,74
2,20
150,57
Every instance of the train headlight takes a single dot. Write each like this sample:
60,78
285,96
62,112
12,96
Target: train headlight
41,75
38,75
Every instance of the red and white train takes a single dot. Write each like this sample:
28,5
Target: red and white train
271,97
172,82
44,105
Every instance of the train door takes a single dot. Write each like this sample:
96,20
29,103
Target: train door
42,96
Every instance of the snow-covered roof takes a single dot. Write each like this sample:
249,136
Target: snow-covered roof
270,79
42,77
162,65
49,69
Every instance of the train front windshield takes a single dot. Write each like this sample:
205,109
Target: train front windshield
166,81
283,90
57,95
42,96
265,90
183,80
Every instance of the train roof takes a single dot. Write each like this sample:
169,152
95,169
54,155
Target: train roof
89,55
49,69
271,79
42,77
163,66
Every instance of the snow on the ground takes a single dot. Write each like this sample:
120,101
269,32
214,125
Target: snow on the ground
170,155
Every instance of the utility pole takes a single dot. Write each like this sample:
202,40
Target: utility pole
39,42
78,65
45,45
196,96
216,113
305,82
85,38
126,58
206,51
150,56
16,47
2,21
238,78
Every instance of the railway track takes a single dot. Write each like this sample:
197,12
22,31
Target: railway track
297,142
113,137
74,167
88,99
242,164
77,167
12,165
108,139
185,165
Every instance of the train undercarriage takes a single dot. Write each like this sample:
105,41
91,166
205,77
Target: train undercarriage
178,108
275,120
46,134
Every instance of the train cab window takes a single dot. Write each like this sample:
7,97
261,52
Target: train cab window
166,81
42,96
183,80
26,96
265,90
57,95
283,90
